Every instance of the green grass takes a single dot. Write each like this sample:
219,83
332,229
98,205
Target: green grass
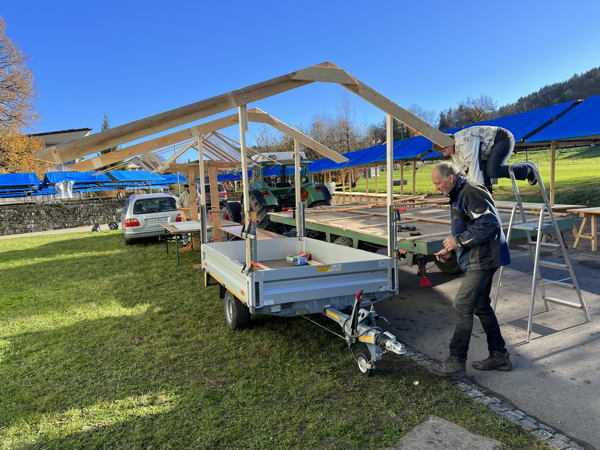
107,346
577,177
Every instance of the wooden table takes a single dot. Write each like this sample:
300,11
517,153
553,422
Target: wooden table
586,214
236,230
192,227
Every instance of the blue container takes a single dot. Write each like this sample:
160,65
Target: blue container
300,261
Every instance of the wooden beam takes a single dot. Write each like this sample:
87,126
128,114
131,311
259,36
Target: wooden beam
170,119
325,72
406,117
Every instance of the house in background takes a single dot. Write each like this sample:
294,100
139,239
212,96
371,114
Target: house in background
60,137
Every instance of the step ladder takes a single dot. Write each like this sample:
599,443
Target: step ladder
539,228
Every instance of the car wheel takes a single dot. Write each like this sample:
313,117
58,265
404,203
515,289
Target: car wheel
127,241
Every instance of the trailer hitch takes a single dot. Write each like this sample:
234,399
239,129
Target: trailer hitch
360,326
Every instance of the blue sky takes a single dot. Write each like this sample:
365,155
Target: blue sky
132,59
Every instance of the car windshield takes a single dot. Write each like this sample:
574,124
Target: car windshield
154,205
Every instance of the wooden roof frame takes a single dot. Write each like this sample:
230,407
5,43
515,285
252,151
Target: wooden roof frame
254,115
325,72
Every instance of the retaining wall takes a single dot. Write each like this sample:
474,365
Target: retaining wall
28,218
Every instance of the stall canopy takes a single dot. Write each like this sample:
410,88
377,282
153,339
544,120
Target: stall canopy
582,122
403,150
136,176
18,181
78,178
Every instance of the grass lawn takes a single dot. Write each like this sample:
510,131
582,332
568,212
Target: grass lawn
107,346
577,177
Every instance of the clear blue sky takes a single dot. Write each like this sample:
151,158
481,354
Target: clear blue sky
132,59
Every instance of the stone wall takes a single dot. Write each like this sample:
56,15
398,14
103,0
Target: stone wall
28,218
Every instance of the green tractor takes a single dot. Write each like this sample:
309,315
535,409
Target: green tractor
272,189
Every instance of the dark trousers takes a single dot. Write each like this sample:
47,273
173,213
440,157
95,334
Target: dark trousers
495,166
473,298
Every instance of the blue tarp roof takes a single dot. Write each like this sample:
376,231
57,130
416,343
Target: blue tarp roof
174,178
18,181
51,178
523,124
581,122
403,149
135,176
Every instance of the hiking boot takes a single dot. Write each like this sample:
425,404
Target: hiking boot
496,361
454,366
531,178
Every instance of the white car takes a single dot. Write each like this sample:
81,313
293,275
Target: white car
142,215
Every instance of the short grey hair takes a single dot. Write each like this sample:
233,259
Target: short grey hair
447,168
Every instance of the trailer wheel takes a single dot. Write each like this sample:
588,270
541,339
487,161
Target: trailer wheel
363,364
345,241
237,314
450,267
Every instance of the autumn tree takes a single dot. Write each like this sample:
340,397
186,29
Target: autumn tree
16,153
17,110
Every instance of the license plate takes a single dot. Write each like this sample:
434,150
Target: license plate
160,220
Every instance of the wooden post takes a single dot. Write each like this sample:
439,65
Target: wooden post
243,115
552,170
376,180
414,184
367,173
401,178
214,202
201,175
390,179
297,183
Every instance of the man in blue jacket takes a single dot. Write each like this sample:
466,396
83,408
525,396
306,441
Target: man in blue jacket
480,246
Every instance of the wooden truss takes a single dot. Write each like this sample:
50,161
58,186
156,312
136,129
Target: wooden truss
325,72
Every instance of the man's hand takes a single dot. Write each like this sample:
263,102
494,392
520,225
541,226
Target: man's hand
443,255
450,244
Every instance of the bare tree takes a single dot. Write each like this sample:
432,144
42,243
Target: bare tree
469,111
17,111
270,140
431,117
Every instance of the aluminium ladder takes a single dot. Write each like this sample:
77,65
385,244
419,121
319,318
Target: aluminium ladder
535,246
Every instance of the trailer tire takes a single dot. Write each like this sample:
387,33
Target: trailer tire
363,363
237,314
450,267
232,211
345,241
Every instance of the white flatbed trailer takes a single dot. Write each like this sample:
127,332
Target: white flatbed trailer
256,278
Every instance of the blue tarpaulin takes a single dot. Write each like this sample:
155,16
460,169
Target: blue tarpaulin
524,124
135,176
9,181
581,122
51,178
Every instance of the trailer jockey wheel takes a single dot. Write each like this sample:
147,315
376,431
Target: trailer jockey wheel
363,364
425,281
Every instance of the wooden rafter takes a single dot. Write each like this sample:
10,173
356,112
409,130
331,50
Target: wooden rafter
325,72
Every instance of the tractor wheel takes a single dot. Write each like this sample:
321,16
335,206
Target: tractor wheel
237,314
345,241
450,267
320,203
232,211
262,214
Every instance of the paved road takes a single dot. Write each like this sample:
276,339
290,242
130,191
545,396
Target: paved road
556,377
